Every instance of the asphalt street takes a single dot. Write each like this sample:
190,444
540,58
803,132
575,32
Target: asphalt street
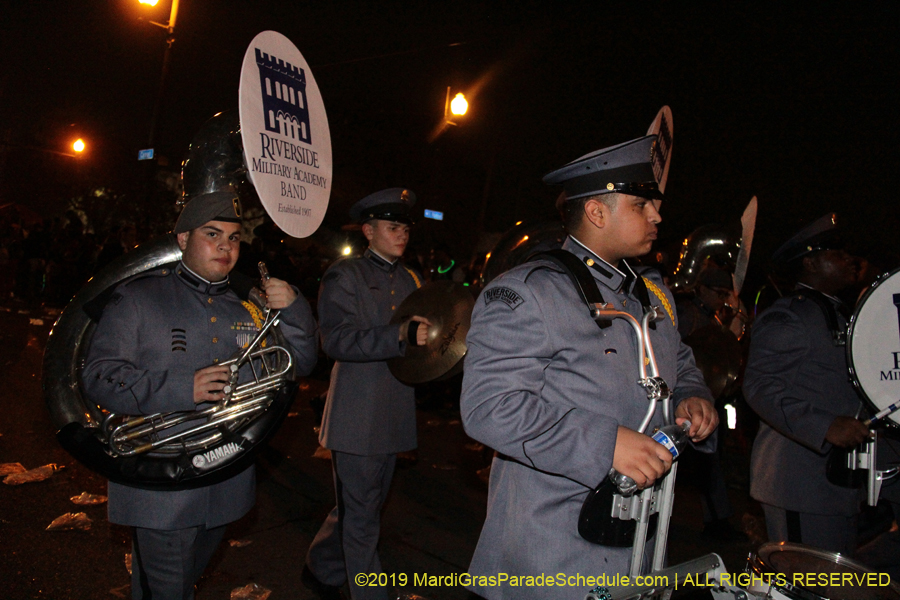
430,524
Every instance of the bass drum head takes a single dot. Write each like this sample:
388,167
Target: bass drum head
873,345
812,574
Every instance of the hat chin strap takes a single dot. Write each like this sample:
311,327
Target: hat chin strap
650,191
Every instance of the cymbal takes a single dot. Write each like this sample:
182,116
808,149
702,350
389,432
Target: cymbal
718,355
448,307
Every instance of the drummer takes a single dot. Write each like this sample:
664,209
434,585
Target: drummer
797,381
369,415
557,398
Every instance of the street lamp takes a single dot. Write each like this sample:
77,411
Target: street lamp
454,108
170,39
78,146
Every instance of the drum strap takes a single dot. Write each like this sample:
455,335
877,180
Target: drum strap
579,275
584,282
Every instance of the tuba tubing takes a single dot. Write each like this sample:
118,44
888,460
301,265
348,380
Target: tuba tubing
129,449
269,366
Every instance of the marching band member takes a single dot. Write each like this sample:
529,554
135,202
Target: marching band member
797,381
370,416
558,398
155,349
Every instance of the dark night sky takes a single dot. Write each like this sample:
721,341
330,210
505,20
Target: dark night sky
797,105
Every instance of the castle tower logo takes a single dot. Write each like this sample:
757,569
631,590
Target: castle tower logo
284,128
283,89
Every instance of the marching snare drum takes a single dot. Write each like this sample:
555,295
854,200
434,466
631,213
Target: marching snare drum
873,345
786,571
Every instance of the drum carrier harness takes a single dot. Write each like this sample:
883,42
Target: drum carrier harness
613,514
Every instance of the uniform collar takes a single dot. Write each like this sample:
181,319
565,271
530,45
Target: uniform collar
379,261
616,279
198,284
834,299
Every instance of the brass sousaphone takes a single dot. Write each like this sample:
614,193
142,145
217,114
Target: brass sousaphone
169,450
183,450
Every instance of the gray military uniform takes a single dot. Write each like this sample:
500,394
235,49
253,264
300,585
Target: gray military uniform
369,415
797,380
155,332
368,410
547,389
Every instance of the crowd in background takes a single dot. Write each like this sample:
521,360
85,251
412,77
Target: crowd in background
46,261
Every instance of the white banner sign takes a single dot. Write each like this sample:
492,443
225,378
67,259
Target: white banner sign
287,143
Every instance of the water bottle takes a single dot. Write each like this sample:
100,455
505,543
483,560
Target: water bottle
673,438
596,522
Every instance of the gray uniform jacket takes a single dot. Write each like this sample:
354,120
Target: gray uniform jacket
368,411
547,389
155,332
797,380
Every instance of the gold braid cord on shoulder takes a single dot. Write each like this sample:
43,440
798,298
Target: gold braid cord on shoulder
414,276
662,297
256,315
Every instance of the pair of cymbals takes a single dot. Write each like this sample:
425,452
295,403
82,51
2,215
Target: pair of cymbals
448,307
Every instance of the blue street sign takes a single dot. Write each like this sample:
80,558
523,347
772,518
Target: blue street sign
145,154
433,214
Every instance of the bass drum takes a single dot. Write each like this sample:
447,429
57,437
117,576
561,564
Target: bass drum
786,571
873,345
226,446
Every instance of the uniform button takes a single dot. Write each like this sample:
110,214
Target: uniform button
165,271
624,302
212,320
209,300
392,292
393,308
215,360
215,340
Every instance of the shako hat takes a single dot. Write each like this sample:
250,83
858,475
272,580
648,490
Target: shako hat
626,168
639,167
215,206
821,234
392,204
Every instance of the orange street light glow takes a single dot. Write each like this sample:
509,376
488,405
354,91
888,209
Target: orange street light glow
78,146
459,106
149,2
